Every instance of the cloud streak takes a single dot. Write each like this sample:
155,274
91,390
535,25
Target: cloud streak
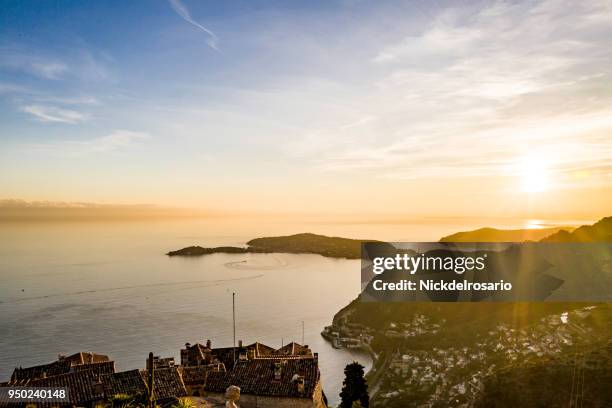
40,67
49,70
79,63
470,93
182,10
45,113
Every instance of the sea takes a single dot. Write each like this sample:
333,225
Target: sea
109,287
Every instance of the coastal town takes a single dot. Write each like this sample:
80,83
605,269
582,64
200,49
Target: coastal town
256,375
414,376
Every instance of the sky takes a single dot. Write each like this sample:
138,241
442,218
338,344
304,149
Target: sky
414,108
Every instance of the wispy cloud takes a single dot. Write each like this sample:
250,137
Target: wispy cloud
46,113
79,63
18,60
49,70
184,13
475,89
116,140
68,100
8,88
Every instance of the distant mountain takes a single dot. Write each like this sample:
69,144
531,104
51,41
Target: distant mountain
601,231
337,247
499,235
306,243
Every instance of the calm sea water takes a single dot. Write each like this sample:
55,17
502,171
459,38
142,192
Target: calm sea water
108,287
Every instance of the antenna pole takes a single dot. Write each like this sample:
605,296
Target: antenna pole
234,322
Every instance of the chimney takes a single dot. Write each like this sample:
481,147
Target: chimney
277,371
208,344
243,353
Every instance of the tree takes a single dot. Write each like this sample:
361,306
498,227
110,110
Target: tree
122,401
354,388
184,403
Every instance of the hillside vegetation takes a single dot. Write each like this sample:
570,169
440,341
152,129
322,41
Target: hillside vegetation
306,243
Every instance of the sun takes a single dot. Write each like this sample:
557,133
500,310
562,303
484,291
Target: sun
535,175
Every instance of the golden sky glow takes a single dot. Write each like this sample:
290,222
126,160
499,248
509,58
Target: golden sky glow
495,109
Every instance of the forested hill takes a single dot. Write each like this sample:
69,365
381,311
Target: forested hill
500,235
601,231
338,247
305,243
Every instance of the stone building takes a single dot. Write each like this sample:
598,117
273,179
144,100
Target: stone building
91,380
81,361
81,373
267,377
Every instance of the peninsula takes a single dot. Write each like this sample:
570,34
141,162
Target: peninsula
338,247
305,243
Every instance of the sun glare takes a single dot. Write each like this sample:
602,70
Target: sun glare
535,175
534,224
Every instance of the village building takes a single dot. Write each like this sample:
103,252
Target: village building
168,385
267,377
81,373
91,380
63,365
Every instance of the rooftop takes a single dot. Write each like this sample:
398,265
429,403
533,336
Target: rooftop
265,377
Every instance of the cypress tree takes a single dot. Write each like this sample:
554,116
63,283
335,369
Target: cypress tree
354,388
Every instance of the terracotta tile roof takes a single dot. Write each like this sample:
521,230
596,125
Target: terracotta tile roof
218,381
196,375
167,383
65,365
261,349
202,354
86,358
125,382
40,371
81,386
101,368
81,380
294,349
254,370
258,377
